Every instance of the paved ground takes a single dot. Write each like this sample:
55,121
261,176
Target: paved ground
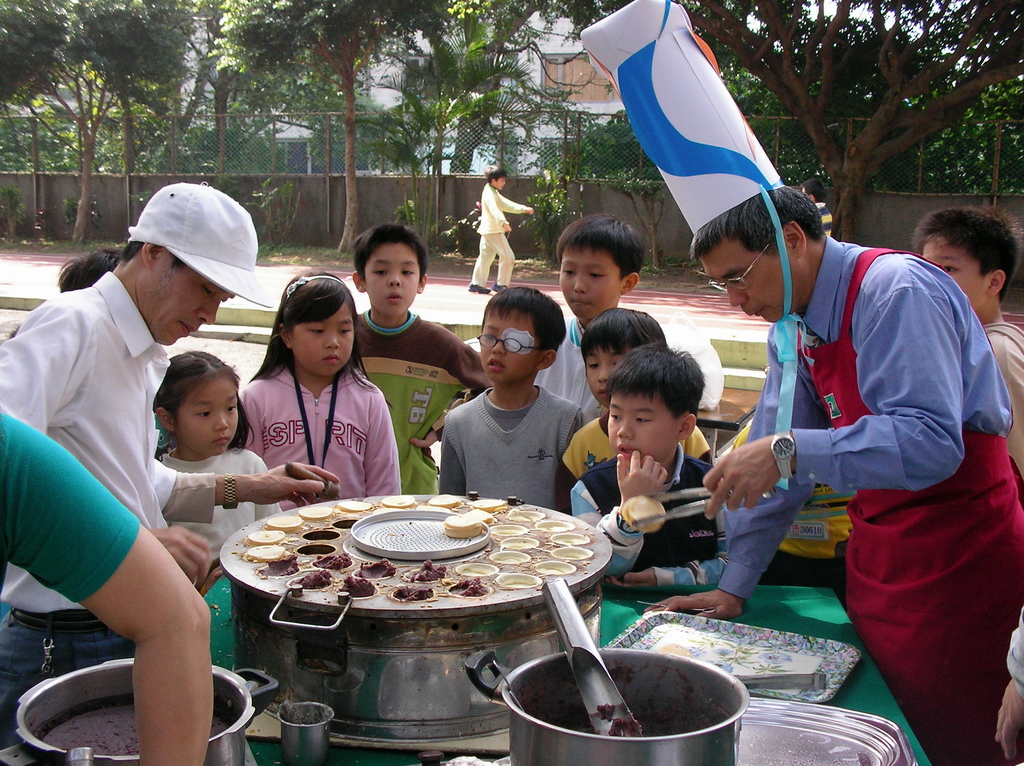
444,299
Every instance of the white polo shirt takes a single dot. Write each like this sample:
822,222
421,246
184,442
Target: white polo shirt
84,370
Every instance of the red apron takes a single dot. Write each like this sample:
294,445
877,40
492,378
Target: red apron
935,578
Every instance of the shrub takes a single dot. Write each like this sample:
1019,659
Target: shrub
12,211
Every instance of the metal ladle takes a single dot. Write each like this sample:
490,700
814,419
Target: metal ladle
608,712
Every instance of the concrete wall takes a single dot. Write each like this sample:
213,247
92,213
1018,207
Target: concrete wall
887,219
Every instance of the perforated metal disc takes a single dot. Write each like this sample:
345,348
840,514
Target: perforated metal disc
413,535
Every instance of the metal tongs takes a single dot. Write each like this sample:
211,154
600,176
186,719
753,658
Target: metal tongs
811,681
695,499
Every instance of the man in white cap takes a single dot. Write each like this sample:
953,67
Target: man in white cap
84,369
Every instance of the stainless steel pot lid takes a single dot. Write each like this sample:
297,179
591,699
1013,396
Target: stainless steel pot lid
413,535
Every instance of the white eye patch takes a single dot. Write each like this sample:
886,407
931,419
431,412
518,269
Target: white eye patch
524,339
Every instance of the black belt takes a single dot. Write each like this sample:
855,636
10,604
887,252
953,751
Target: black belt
62,621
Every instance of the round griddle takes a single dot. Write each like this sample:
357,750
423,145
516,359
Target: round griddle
414,535
338,534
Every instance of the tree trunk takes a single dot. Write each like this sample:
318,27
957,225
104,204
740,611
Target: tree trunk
846,203
655,207
859,163
351,227
81,232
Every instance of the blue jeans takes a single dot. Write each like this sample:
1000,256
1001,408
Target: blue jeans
21,657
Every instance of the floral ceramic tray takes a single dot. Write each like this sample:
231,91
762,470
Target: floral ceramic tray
744,649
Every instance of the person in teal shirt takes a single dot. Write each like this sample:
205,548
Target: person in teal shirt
69,532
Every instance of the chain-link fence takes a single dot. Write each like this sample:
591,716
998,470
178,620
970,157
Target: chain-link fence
972,158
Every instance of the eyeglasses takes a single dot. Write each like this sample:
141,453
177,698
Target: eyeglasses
511,345
740,282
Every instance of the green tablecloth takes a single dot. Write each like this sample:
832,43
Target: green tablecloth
810,611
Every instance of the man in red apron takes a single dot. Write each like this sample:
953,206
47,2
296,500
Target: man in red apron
896,395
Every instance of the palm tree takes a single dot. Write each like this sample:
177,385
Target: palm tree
462,80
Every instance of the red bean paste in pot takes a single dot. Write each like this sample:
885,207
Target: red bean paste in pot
333,561
376,570
554,699
429,572
108,726
621,727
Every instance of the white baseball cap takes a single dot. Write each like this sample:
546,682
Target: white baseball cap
209,232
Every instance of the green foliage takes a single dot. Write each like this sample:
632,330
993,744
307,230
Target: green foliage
31,35
406,214
337,40
461,81
448,104
647,193
278,205
609,148
12,211
463,9
551,212
459,234
69,209
137,47
113,52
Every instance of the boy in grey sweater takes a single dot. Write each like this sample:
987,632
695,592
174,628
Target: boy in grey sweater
510,439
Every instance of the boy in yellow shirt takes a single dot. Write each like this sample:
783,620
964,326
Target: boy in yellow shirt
610,336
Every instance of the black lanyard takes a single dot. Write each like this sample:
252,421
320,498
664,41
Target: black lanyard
305,420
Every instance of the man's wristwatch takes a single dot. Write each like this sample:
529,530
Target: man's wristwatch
230,501
783,450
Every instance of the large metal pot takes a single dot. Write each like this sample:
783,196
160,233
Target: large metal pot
690,711
238,697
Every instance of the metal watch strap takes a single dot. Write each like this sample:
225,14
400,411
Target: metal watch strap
784,463
230,501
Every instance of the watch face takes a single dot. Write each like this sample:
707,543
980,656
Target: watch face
784,447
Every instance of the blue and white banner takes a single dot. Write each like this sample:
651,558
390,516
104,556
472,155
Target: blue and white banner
679,108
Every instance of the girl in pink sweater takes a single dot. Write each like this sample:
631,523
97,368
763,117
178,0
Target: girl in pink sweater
311,402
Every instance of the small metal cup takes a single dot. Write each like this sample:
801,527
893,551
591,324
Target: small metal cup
305,733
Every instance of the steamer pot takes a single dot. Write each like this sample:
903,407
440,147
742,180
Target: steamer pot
694,709
234,700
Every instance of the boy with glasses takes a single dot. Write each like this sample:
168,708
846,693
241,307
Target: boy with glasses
510,440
